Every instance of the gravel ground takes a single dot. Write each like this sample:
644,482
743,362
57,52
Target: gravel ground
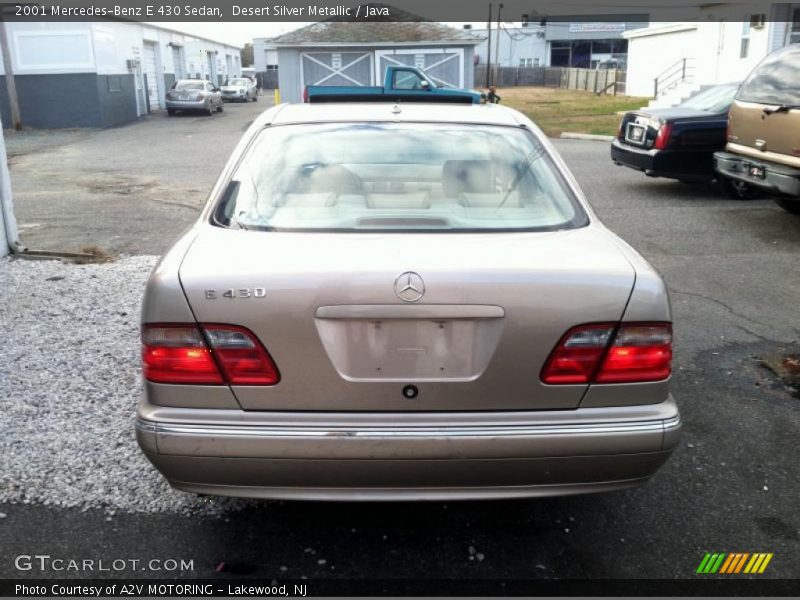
70,378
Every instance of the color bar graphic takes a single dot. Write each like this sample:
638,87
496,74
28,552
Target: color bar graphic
730,563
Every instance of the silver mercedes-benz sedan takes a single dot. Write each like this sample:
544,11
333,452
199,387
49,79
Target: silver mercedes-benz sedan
411,301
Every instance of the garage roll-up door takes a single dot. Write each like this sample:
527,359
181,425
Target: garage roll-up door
444,66
177,62
149,69
336,68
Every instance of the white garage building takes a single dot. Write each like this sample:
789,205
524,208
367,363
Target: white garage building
357,54
104,73
672,60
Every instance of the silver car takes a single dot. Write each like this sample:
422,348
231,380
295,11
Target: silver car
413,301
194,95
239,89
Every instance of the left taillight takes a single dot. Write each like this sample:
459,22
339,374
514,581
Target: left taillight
663,136
205,355
611,353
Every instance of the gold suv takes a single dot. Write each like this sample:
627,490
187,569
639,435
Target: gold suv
763,147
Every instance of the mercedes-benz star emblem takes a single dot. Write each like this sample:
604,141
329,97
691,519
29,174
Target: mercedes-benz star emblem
409,287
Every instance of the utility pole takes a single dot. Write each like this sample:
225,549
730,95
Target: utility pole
497,45
9,235
11,85
489,50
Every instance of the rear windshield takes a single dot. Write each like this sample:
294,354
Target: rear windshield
716,99
397,177
776,80
190,85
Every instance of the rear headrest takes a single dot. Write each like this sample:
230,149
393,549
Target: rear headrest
315,179
467,176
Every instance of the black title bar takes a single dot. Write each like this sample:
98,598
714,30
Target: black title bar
534,12
249,588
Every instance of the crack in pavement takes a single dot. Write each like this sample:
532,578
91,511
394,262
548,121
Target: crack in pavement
722,304
755,335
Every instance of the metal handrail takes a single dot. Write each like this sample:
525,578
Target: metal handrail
672,75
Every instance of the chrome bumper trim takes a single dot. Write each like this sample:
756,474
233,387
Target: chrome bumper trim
673,423
145,426
407,432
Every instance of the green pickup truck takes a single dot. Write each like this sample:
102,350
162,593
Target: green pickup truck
407,84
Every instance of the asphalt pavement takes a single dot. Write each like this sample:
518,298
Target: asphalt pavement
731,486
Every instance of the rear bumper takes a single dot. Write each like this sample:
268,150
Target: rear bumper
778,179
186,105
400,456
686,166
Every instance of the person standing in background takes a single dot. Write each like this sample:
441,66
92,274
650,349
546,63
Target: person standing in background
492,96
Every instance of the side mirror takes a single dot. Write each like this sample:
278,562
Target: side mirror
425,85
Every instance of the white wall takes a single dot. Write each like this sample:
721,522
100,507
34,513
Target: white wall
515,43
651,55
263,54
720,59
712,43
51,48
197,51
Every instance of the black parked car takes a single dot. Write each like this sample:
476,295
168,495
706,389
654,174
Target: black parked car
679,143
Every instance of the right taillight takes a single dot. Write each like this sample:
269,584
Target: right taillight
305,94
663,135
639,352
205,355
611,353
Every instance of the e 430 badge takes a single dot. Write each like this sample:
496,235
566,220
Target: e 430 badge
231,293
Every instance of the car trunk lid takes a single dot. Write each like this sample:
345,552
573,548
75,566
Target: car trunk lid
341,316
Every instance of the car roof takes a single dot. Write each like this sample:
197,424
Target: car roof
489,114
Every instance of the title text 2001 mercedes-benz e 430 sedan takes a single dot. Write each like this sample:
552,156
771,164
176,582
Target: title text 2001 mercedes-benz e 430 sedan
414,301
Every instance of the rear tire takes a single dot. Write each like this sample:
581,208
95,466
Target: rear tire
171,112
221,108
789,205
738,190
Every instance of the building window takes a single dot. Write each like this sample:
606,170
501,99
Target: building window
744,49
528,62
114,84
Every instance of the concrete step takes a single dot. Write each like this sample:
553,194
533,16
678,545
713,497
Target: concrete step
676,95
